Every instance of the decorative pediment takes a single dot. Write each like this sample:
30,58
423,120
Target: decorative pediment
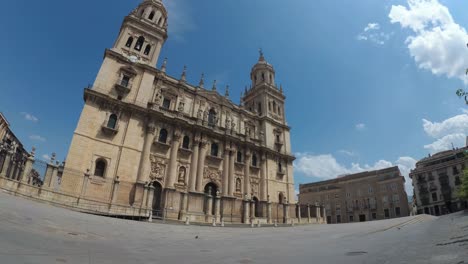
129,70
158,168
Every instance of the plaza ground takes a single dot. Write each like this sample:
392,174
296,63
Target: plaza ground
32,232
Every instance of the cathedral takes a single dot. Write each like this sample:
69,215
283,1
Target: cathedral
185,152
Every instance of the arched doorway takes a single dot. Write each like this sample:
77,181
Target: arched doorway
257,211
157,198
211,189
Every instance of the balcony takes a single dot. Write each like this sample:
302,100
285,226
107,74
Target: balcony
122,88
109,130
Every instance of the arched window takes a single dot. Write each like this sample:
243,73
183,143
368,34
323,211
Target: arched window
139,43
212,117
259,108
163,136
239,156
100,168
214,150
254,160
129,42
159,21
151,16
112,122
280,167
274,106
263,76
280,198
147,49
186,143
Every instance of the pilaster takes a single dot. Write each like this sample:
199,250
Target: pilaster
173,159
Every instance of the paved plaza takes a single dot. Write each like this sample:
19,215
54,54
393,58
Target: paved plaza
32,232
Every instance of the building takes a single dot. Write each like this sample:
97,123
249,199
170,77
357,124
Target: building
365,196
149,140
436,179
12,153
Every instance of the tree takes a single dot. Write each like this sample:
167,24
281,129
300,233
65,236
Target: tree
461,92
463,191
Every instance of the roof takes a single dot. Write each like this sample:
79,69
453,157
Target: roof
4,118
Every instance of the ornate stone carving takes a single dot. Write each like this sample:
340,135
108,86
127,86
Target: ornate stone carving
158,99
212,174
238,185
158,169
182,173
181,106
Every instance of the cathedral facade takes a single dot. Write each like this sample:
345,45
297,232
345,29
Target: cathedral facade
148,140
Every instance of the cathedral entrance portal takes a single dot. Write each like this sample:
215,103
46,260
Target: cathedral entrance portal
211,191
157,198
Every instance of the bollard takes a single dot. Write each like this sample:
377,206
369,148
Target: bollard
187,221
252,224
222,223
292,222
276,223
258,223
214,221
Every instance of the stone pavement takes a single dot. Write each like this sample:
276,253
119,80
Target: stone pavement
32,232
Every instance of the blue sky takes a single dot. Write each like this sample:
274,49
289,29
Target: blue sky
369,83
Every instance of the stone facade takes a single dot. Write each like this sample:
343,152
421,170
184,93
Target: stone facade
149,140
436,179
365,196
13,156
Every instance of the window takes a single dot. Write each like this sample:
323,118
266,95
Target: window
186,143
337,196
280,198
254,160
371,190
396,198
374,216
147,49
385,199
259,108
140,42
387,213
457,180
166,103
434,197
159,21
162,136
280,167
239,156
397,211
348,194
338,219
125,81
151,16
100,168
129,42
263,76
394,186
351,218
212,117
214,149
274,106
112,122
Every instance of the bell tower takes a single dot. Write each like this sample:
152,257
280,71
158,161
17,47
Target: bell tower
143,33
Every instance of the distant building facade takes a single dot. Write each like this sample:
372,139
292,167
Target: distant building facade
149,140
436,179
365,196
12,153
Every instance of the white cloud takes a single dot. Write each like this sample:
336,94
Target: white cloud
438,43
372,33
446,143
37,138
29,117
453,125
326,167
180,20
372,26
360,126
347,152
46,157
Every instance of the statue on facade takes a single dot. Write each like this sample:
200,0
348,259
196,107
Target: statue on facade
181,178
238,185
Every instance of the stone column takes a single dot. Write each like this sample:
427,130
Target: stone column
193,165
218,208
232,179
247,189
145,155
115,191
246,210
6,164
269,219
201,166
173,160
145,196
317,212
209,208
53,178
286,212
184,203
308,213
299,217
263,180
149,201
27,168
226,179
252,210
